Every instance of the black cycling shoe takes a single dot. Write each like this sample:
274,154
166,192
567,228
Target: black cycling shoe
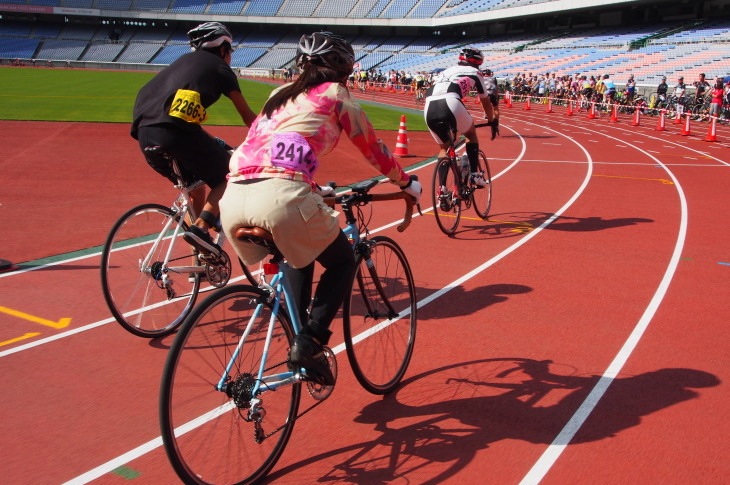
201,240
306,353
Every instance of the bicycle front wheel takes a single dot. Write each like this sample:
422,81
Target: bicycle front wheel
143,291
446,196
232,435
482,196
380,316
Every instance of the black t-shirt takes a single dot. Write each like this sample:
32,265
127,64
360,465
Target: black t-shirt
181,93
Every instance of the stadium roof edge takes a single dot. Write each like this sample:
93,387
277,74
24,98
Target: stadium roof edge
455,20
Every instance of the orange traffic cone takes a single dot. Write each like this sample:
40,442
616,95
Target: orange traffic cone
712,131
570,108
660,124
592,111
401,143
549,106
637,117
508,99
527,106
614,114
678,118
685,128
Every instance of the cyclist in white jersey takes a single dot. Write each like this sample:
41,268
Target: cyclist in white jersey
444,110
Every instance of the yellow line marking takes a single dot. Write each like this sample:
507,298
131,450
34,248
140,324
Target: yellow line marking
62,323
664,181
520,227
18,339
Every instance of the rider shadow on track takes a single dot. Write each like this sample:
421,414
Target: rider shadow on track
463,302
437,422
519,223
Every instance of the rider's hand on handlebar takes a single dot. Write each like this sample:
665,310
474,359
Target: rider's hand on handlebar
495,128
326,191
413,188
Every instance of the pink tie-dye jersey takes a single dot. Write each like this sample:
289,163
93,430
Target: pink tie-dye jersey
287,144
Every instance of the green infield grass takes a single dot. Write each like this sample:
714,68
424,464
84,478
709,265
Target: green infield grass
42,94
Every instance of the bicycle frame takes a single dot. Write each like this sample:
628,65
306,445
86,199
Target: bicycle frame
277,288
180,206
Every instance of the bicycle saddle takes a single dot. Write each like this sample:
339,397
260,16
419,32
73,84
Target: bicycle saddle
255,235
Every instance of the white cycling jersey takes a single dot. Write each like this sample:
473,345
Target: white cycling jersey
459,81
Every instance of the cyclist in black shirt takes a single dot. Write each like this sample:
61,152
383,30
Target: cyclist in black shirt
170,109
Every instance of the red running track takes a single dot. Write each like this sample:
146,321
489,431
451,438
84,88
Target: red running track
577,336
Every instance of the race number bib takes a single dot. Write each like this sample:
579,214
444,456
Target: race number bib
464,86
186,105
291,151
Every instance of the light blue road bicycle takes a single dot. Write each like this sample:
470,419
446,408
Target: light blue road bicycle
229,396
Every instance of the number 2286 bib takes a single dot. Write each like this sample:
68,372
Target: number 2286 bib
186,105
291,151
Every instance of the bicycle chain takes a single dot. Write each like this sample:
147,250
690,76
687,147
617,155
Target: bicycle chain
272,433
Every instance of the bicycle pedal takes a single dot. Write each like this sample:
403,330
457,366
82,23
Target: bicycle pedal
320,392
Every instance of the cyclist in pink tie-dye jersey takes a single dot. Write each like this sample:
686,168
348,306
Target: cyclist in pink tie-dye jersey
271,185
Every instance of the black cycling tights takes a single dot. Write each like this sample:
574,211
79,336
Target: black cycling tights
338,261
472,151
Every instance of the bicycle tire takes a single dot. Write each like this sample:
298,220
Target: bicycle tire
447,210
247,273
380,316
482,196
135,297
205,434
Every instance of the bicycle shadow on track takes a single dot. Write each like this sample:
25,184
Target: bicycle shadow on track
428,434
514,224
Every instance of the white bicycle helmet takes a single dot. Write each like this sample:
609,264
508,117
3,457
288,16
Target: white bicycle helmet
471,56
208,35
326,49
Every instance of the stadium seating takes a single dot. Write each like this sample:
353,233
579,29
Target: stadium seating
647,52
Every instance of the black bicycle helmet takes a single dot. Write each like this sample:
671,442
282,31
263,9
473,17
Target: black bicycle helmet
470,56
326,49
208,35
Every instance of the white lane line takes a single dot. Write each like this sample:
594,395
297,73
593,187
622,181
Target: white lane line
561,441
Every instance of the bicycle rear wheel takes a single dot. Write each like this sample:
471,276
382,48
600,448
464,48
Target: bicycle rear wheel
210,436
445,197
482,196
136,295
379,317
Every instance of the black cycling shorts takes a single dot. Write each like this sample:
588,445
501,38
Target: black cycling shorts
200,155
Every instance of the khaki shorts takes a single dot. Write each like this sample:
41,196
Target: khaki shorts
301,223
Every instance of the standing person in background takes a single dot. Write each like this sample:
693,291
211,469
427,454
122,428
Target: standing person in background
701,87
680,90
609,90
662,89
716,94
630,89
271,185
170,109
